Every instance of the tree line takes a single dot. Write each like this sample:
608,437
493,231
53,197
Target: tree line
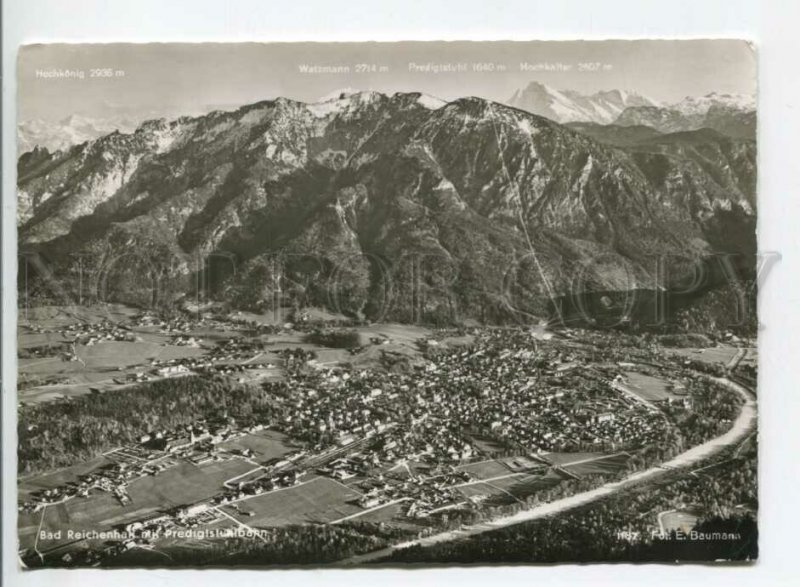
67,432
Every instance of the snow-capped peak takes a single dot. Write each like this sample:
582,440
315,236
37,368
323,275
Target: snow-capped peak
602,107
701,104
342,101
430,102
337,94
70,130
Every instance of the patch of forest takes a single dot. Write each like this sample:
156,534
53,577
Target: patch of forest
67,432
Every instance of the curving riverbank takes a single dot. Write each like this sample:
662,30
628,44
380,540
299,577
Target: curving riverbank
744,425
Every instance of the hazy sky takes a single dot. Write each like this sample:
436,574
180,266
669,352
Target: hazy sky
170,79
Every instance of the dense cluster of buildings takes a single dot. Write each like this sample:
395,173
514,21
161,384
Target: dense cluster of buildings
359,424
496,388
90,333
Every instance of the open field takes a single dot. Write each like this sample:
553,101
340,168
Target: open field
329,357
720,354
523,486
55,316
320,500
188,483
521,463
107,356
609,464
485,469
59,477
397,340
183,484
27,340
482,489
402,334
391,514
51,378
266,444
647,387
523,476
281,317
97,366
487,446
48,393
565,458
111,355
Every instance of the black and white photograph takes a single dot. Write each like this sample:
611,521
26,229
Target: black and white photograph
383,304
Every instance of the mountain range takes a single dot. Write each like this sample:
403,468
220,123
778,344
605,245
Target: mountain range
570,106
389,206
730,114
66,132
71,130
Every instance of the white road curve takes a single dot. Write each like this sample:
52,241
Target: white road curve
744,425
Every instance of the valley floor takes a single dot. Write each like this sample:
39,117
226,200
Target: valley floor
409,436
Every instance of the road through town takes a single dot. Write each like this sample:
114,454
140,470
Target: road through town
743,426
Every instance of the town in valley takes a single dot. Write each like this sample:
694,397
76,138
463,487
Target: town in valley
390,431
